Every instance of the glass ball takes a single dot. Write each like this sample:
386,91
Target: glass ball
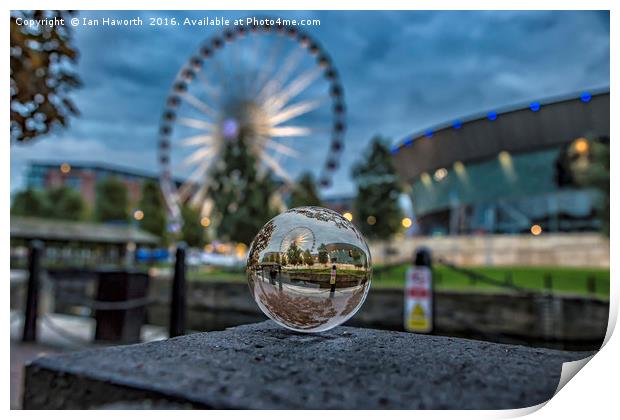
309,269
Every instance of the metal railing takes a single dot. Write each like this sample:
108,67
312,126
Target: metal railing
177,324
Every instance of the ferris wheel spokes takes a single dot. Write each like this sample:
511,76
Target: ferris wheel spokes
261,83
295,110
184,191
197,124
290,131
213,92
274,165
263,76
294,88
291,62
200,139
280,148
199,155
199,104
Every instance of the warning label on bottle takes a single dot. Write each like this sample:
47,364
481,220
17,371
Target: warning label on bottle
418,300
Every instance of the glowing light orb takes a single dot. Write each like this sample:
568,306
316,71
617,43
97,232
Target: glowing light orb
309,269
230,129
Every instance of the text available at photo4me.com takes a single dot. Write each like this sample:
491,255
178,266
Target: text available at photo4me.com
215,21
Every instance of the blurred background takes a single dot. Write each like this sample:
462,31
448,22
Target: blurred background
481,136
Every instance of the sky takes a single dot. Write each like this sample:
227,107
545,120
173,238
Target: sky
402,72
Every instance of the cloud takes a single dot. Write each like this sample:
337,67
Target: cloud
402,72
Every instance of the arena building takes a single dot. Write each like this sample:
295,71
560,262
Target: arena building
505,171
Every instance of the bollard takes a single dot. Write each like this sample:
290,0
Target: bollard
32,294
117,287
419,294
179,295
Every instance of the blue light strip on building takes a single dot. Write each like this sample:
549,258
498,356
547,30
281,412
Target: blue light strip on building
491,116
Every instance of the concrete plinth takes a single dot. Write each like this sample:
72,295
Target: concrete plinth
264,366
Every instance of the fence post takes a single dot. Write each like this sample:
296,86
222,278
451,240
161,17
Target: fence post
548,283
179,295
32,294
592,284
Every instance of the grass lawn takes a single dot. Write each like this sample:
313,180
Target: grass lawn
564,280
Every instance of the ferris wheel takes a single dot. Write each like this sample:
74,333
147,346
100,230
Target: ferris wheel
301,236
275,86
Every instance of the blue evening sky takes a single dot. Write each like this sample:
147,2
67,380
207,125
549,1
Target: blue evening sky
402,72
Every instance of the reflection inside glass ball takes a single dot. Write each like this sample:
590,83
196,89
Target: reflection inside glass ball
309,269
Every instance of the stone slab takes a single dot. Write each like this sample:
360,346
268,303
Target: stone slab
264,366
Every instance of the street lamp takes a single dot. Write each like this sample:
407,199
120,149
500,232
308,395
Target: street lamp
138,215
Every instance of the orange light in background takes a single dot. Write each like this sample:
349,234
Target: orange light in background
536,230
426,179
504,158
65,168
208,248
406,222
440,174
205,221
138,215
241,248
371,220
347,215
582,145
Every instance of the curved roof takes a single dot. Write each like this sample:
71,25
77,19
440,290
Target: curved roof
538,126
64,230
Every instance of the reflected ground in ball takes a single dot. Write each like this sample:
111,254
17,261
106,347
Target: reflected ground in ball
309,269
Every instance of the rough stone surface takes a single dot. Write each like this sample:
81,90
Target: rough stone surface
263,366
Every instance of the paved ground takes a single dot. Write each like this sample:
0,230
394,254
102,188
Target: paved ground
20,355
261,366
56,334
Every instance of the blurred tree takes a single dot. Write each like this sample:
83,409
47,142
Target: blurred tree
305,192
57,203
65,203
293,254
42,58
241,195
378,191
323,254
152,205
111,203
192,231
308,259
30,202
